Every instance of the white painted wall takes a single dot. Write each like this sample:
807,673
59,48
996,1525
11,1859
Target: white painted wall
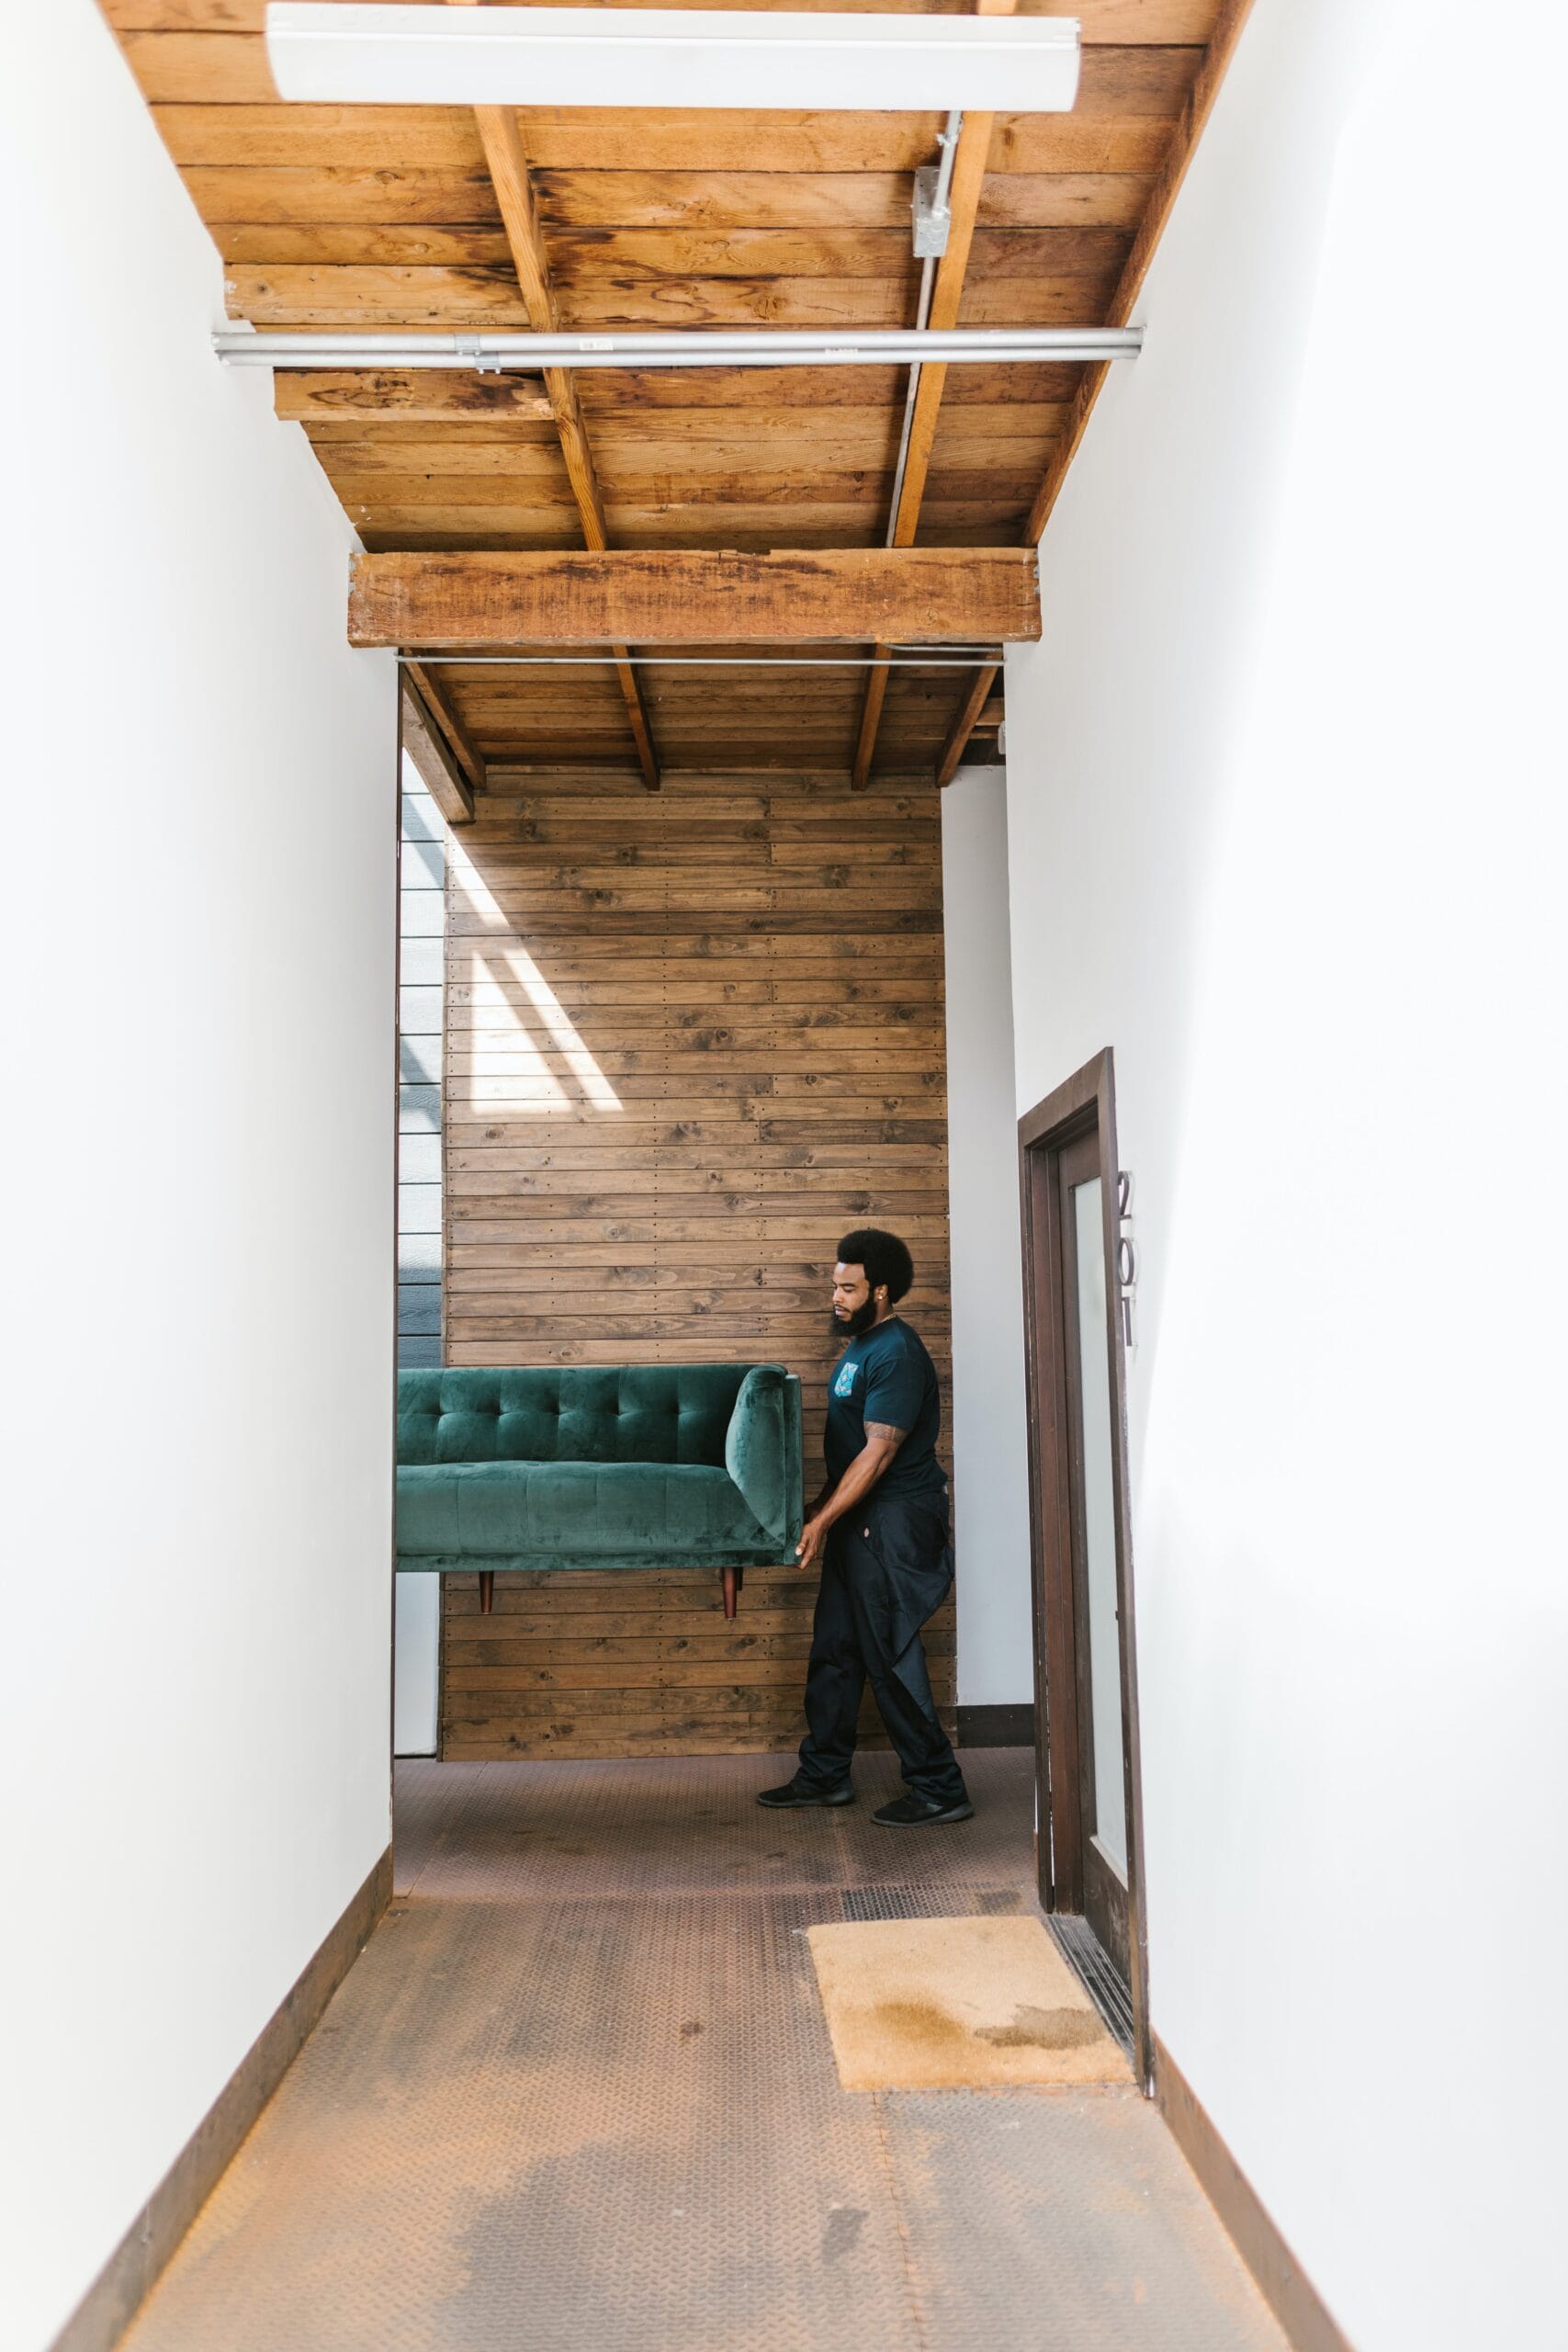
1286,824
990,1471
197,940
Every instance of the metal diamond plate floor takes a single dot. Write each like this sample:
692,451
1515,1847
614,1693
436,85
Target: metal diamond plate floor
577,2096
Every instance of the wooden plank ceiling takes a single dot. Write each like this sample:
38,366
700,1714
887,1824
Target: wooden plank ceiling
363,219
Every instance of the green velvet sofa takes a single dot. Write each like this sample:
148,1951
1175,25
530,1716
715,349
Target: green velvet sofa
637,1466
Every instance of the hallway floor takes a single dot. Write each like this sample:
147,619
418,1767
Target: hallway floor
577,2096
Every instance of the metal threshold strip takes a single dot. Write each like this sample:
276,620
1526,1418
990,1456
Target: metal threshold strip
676,347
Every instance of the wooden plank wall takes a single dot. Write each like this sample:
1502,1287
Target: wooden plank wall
690,1039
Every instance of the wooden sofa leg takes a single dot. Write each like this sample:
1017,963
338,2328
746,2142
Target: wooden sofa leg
487,1591
732,1578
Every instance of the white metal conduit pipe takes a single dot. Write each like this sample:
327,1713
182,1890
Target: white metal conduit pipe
682,347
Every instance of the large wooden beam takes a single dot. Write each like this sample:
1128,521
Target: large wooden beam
455,599
947,295
1185,134
426,747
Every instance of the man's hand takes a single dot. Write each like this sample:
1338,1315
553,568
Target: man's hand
812,1537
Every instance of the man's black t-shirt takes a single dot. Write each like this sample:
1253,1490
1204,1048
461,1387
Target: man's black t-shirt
886,1375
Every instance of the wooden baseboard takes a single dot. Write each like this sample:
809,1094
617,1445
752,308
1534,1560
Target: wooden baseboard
1281,2281
133,2269
1007,1726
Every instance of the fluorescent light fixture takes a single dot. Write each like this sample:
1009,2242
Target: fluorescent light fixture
341,52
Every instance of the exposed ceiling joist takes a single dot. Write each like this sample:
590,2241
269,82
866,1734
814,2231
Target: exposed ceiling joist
695,596
947,295
508,165
964,726
438,769
875,694
438,703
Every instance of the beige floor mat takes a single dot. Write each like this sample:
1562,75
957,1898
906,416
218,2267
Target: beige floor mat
957,2005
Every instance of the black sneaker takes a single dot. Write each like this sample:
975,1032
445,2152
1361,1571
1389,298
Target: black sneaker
793,1796
922,1812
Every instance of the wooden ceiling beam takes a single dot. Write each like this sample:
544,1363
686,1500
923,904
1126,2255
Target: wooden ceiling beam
508,165
437,702
964,726
871,700
1185,133
947,297
443,601
426,747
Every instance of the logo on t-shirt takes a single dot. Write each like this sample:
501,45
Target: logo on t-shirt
845,1384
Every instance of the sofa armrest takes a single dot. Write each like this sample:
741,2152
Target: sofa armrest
761,1449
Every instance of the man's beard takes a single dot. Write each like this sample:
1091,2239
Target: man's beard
850,1326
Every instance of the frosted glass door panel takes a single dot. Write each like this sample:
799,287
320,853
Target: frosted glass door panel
1100,1531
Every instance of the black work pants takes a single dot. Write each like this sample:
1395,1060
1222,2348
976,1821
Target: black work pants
885,1568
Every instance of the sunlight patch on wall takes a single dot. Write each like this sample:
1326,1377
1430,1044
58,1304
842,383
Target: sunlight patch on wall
595,1086
531,1087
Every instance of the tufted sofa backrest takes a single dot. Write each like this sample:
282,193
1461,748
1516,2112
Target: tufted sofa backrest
676,1413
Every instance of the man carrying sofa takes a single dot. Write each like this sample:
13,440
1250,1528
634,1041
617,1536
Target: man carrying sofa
879,1530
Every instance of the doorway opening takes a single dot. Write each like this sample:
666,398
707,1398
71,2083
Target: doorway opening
1088,1838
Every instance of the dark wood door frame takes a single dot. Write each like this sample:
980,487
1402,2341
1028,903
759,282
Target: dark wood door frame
1085,1103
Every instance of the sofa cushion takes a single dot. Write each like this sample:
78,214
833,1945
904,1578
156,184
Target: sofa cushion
635,1413
757,1447
498,1509
427,1511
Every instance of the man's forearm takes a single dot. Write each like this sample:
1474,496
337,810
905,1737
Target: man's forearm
862,1474
856,1483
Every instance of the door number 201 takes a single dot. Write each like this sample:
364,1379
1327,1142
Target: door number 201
1126,1254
